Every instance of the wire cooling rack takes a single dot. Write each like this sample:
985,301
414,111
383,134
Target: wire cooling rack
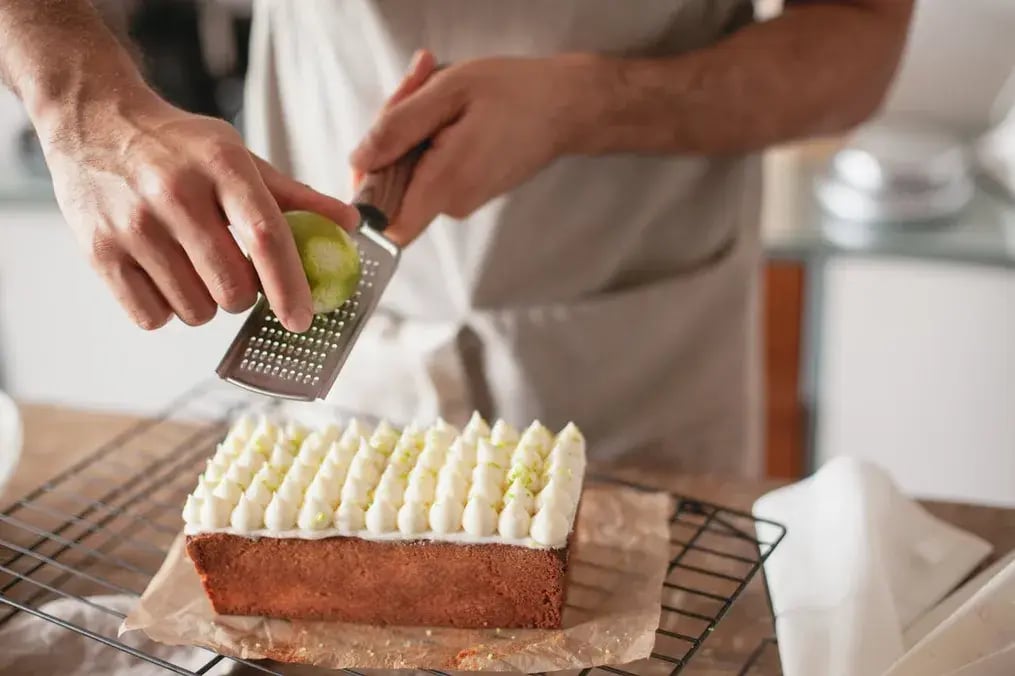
95,534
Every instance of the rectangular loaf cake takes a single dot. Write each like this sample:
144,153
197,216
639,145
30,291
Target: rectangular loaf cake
431,527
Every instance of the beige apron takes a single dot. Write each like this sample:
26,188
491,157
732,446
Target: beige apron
618,292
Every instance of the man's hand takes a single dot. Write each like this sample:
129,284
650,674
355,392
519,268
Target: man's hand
149,190
493,124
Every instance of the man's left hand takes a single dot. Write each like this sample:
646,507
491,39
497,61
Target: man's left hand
493,123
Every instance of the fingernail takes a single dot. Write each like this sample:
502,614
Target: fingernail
299,320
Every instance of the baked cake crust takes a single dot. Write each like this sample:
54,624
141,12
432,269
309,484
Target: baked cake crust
349,579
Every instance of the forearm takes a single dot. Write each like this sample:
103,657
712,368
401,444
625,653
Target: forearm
61,60
818,69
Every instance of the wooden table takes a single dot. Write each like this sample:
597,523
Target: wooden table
56,438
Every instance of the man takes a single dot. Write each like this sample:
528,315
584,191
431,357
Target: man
583,229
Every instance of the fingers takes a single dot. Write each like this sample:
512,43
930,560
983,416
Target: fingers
253,211
403,125
225,272
292,195
137,294
167,265
426,193
423,64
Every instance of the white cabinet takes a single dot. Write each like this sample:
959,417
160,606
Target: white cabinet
917,373
64,339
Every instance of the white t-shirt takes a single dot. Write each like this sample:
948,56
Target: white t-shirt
616,291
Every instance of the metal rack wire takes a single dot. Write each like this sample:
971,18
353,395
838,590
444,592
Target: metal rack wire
102,528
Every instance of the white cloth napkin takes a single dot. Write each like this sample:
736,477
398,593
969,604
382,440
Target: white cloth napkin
977,640
859,563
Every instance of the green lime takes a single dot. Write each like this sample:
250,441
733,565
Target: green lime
330,259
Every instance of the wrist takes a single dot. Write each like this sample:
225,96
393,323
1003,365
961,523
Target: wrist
621,105
583,104
71,103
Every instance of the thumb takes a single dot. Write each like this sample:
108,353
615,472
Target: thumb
427,194
291,195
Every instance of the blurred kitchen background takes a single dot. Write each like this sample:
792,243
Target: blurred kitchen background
889,284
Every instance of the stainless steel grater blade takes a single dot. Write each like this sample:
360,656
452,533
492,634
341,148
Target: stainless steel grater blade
268,359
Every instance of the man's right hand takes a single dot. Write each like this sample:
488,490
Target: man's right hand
150,190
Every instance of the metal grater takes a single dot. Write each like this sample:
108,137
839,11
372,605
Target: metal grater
268,359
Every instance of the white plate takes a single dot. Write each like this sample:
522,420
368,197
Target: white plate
10,438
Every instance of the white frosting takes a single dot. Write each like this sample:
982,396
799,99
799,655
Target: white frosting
476,427
330,433
192,511
323,490
514,521
441,434
251,458
355,490
300,473
203,489
381,517
503,433
247,515
354,432
258,493
487,483
214,471
280,456
451,484
518,494
215,512
446,516
480,485
364,468
391,489
296,433
291,491
422,486
265,433
549,527
333,472
411,437
433,455
479,519
489,453
228,490
239,474
314,515
242,429
279,515
527,455
537,435
349,517
413,518
312,450
231,446
268,476
384,438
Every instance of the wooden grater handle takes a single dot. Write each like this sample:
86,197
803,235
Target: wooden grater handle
380,192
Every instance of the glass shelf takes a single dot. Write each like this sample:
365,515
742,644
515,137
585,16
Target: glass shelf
982,234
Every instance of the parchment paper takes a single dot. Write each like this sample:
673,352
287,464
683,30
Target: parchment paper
616,569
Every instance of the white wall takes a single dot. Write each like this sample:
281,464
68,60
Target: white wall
64,339
917,373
